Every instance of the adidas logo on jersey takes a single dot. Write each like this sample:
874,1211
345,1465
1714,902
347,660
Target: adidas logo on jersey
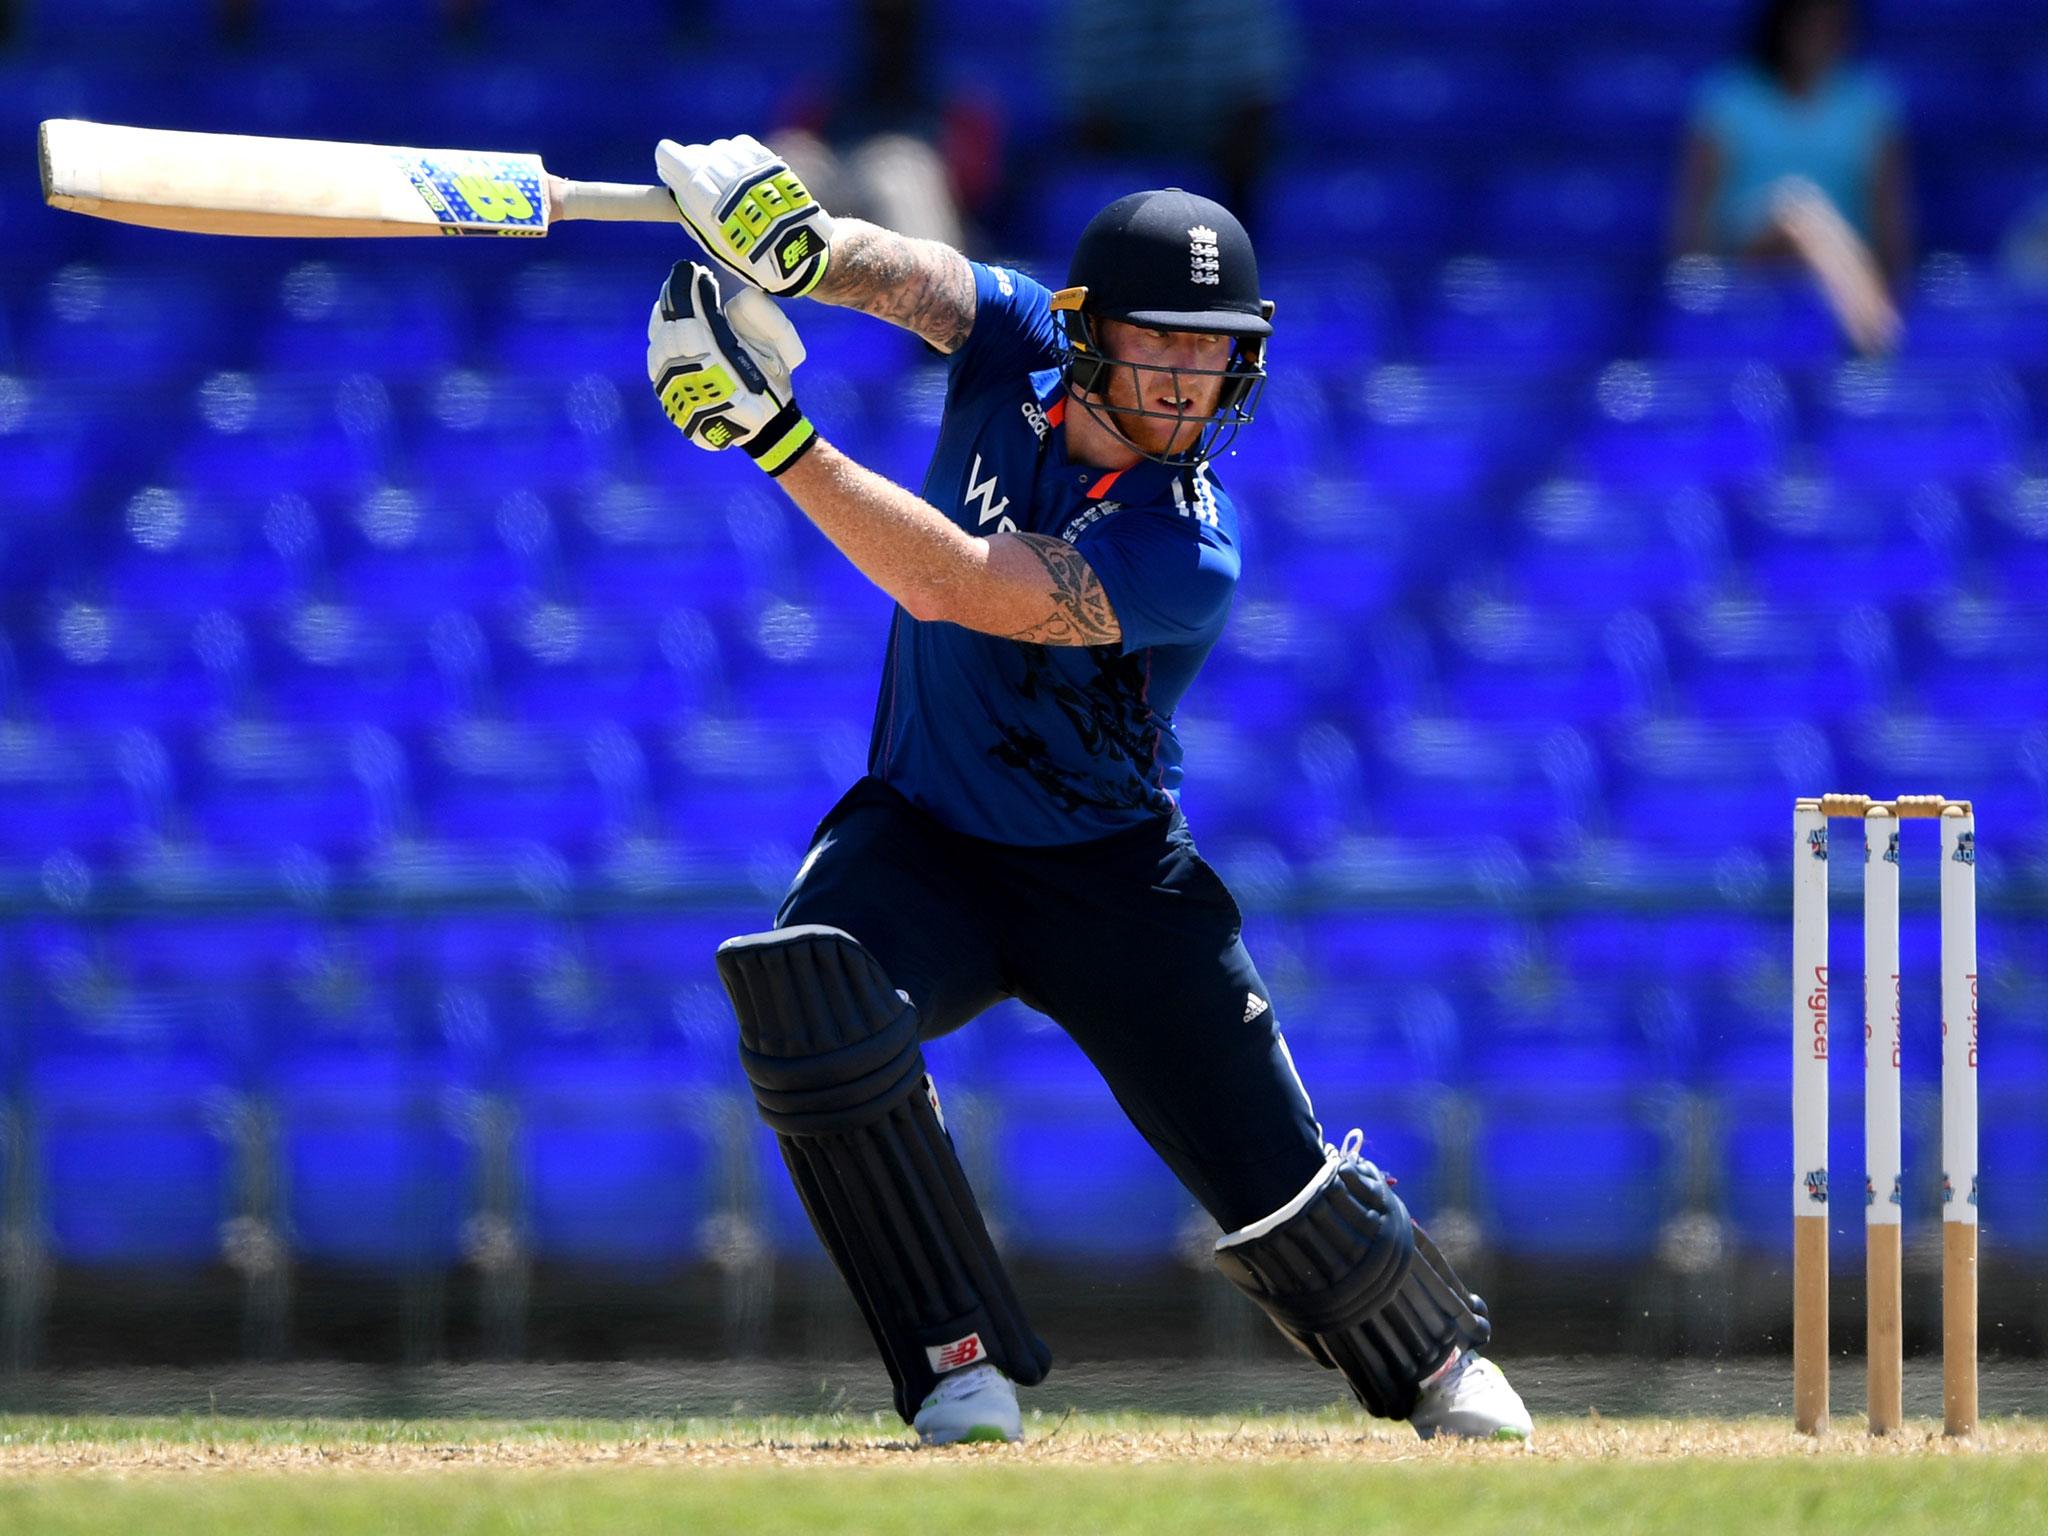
1205,259
1035,414
1254,1005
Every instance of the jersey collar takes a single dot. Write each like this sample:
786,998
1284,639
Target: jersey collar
1143,482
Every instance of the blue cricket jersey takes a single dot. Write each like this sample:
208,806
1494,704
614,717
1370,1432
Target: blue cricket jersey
1040,744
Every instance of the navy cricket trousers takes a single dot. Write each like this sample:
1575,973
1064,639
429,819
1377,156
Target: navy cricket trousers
1130,943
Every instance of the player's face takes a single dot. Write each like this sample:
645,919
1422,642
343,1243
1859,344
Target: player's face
1182,400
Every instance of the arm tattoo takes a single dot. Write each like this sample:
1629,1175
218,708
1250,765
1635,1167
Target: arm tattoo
1080,612
920,285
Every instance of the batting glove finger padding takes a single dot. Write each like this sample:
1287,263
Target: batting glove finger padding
752,214
723,373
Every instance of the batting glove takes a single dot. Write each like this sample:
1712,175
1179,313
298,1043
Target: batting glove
750,212
722,373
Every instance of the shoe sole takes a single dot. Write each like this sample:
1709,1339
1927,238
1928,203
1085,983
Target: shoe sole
979,1434
1504,1432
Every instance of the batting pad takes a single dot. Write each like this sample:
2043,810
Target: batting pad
833,1055
1346,1274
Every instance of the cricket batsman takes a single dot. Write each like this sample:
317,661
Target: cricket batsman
1059,579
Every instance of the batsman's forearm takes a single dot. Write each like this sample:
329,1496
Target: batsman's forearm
900,542
920,285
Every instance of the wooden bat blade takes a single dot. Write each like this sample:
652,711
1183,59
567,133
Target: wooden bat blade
239,184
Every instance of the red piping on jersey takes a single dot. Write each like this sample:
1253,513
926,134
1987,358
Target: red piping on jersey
1056,412
1101,487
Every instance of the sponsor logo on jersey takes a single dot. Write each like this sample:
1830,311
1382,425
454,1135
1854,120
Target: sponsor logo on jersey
1254,1005
950,1357
982,493
1088,519
1036,416
1205,259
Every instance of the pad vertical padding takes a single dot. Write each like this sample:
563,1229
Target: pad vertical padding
1346,1275
833,1055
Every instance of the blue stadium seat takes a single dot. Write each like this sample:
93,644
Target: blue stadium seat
1875,547
187,556
1447,434
46,454
2001,642
1716,312
1420,103
97,665
1714,785
1738,659
337,790
326,664
1526,781
333,318
1489,311
1574,211
1332,319
1075,1177
376,1162
617,1154
487,779
487,434
2011,1135
1618,101
560,319
136,1155
163,323
1902,425
1391,211
1666,427
1585,549
1574,1154
89,792
1997,758
1964,313
1510,661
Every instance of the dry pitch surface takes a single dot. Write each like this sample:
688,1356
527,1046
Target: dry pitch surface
33,1446
1111,1473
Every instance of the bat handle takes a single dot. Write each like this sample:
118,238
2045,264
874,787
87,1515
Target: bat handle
616,201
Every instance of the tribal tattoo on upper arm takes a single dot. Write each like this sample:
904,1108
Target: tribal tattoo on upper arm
1080,611
920,285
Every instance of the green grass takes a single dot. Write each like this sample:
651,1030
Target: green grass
1097,1473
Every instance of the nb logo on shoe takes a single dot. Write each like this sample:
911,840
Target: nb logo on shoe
950,1357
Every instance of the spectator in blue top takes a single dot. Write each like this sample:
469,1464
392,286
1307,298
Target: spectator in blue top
1797,153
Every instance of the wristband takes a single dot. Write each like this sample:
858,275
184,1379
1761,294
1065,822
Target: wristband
787,437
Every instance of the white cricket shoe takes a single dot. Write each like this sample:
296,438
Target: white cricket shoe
970,1407
1469,1397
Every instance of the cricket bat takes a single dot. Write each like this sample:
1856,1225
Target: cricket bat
236,184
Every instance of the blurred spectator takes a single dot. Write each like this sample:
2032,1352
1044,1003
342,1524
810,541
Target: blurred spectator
1180,80
881,143
1797,153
